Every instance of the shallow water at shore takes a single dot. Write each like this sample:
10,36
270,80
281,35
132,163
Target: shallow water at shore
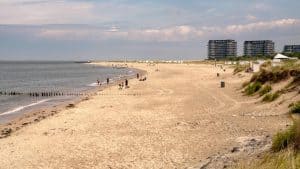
38,77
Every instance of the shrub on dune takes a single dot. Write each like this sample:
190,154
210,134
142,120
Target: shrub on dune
266,89
253,88
285,138
271,97
295,108
240,68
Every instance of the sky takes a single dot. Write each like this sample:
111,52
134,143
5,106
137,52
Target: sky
139,29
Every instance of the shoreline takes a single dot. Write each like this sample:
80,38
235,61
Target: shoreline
23,118
163,121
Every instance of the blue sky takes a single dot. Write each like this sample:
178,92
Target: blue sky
153,29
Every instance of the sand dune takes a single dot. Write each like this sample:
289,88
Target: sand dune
174,119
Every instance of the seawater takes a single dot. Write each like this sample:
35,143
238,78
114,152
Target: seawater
66,77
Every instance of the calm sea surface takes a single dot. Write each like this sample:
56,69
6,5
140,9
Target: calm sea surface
67,77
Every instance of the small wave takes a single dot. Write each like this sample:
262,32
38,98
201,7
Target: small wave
23,107
93,84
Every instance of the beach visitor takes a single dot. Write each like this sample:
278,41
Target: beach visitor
137,75
107,80
126,83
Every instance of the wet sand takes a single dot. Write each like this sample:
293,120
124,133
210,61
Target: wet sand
176,118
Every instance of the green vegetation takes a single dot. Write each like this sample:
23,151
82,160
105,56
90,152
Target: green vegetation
285,138
253,88
240,68
295,107
277,73
287,159
266,65
274,75
291,136
245,84
269,74
246,58
295,54
264,90
285,149
271,97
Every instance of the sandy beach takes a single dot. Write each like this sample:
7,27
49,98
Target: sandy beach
176,118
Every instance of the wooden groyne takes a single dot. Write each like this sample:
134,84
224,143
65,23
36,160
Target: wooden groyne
41,94
61,94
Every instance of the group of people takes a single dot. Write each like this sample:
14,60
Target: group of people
141,79
123,84
99,83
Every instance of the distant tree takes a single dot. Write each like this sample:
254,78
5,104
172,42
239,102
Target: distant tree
295,54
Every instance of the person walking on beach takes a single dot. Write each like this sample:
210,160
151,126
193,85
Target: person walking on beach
126,83
137,76
98,82
107,80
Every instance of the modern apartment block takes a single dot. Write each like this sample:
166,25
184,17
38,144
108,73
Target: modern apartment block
222,48
291,48
259,48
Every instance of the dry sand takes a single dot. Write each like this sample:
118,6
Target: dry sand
174,119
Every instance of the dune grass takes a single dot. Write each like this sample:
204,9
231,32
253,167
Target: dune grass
284,154
252,88
264,90
240,68
285,138
274,74
246,83
295,107
271,97
285,149
287,159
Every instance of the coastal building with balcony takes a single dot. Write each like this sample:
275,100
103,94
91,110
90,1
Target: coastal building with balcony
218,49
259,48
291,49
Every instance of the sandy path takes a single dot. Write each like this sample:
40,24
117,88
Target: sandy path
173,120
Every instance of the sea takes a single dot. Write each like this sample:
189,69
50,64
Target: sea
69,78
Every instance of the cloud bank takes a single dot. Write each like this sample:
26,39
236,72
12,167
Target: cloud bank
169,34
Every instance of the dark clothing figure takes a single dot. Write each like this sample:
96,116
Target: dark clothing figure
107,80
137,75
126,83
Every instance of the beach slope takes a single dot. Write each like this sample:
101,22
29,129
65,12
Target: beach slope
175,119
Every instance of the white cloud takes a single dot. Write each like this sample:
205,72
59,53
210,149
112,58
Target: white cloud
177,33
251,17
263,25
44,12
80,34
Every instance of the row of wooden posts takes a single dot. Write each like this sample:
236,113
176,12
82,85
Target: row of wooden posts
40,94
